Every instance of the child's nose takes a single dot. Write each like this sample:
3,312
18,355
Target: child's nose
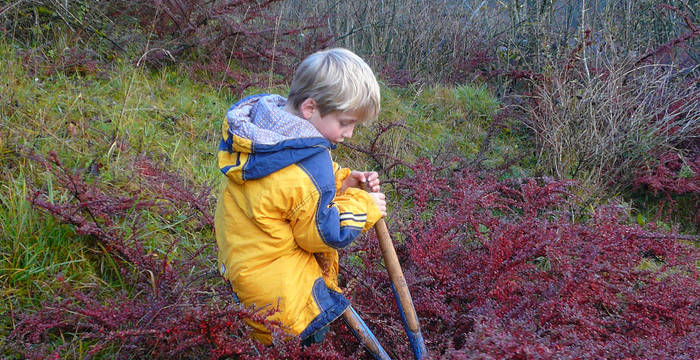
348,132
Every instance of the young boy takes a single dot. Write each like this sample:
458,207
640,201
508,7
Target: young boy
287,206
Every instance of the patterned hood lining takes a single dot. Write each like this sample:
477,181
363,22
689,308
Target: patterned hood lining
264,121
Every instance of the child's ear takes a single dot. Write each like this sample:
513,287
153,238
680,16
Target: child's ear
307,108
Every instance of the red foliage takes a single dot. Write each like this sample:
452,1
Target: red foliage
393,74
232,39
479,59
496,269
673,175
69,61
176,310
176,190
501,271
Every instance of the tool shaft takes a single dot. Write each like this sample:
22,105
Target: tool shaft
400,287
362,332
393,266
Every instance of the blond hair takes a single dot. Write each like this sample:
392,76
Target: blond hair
338,80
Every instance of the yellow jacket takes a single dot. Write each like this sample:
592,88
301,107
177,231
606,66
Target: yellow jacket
279,220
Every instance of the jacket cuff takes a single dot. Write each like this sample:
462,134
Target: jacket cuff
373,214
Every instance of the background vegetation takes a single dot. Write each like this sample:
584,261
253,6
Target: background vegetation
541,157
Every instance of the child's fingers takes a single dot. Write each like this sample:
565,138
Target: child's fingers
372,176
368,181
359,176
373,181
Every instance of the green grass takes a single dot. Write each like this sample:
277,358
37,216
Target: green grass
133,111
106,118
35,249
435,121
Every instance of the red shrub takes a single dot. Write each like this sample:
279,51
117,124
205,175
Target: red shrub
496,269
232,40
673,175
69,61
176,310
502,271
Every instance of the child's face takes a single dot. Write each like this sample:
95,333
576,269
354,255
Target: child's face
335,126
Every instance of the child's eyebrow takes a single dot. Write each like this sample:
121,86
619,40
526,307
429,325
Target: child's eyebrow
349,118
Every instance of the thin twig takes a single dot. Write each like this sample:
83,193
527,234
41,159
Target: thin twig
87,27
8,7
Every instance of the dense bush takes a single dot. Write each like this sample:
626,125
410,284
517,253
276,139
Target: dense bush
401,39
386,33
175,305
601,127
602,113
230,45
497,269
509,270
234,41
673,178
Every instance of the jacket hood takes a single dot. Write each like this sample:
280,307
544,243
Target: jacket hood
259,137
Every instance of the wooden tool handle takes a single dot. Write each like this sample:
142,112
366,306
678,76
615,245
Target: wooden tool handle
355,323
363,333
395,273
393,266
398,281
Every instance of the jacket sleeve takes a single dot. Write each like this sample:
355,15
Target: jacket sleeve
324,221
340,174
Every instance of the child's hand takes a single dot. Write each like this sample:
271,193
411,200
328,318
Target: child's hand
356,178
380,200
